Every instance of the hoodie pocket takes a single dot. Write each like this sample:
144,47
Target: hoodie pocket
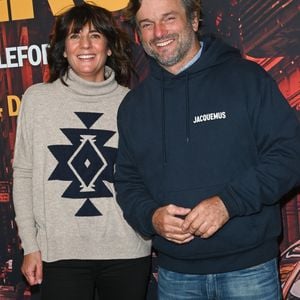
238,234
190,197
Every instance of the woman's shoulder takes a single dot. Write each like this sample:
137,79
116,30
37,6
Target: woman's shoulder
37,94
39,88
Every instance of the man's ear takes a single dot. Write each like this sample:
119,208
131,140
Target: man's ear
195,21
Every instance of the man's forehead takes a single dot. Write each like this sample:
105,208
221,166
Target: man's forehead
159,8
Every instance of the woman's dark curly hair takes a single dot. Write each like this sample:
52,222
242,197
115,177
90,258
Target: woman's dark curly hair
73,20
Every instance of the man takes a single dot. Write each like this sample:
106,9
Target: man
208,146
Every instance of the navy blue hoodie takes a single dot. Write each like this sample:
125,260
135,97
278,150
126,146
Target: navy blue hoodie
221,127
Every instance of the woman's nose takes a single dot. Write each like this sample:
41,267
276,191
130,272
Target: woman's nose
85,42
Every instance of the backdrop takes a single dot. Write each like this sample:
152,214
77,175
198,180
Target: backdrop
266,31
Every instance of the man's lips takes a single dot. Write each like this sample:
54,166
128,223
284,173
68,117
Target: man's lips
164,43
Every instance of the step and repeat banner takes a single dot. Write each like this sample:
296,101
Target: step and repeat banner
266,31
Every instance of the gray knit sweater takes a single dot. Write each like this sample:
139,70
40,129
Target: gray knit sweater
64,159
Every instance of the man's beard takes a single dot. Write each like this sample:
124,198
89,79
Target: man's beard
178,54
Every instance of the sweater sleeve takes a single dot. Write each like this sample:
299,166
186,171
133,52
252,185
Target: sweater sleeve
132,195
22,180
277,134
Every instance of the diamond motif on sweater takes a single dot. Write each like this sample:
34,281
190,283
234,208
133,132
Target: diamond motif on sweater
86,163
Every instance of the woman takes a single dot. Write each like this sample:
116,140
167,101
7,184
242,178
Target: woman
73,234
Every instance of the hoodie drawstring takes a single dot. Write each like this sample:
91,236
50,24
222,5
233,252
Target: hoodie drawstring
163,116
187,107
163,122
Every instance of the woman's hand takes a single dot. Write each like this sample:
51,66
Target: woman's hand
32,268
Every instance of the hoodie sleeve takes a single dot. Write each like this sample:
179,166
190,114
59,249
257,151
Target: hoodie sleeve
22,179
277,134
132,195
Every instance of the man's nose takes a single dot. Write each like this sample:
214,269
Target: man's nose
160,30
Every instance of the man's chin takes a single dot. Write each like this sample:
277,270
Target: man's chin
167,62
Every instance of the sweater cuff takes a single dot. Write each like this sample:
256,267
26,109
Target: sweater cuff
29,243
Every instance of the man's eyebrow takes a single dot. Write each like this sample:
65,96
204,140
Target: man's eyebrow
162,16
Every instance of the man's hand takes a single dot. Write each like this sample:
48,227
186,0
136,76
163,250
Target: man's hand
32,268
168,222
206,218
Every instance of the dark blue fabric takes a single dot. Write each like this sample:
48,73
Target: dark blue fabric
219,128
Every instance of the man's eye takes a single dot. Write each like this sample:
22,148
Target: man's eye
170,19
146,25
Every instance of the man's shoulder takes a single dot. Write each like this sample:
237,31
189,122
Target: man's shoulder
139,93
138,100
247,65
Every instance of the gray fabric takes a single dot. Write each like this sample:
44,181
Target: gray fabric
46,220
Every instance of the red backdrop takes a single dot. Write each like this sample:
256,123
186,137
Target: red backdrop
266,31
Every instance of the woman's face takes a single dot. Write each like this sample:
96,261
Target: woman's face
86,52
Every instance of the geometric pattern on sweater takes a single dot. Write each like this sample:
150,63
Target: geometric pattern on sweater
86,163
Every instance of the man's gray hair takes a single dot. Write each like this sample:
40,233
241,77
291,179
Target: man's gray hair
192,7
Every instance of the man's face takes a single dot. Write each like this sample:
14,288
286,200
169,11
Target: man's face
166,34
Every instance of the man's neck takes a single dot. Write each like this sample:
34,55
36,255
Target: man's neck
189,60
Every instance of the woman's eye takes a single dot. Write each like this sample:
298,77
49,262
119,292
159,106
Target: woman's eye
95,36
74,36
